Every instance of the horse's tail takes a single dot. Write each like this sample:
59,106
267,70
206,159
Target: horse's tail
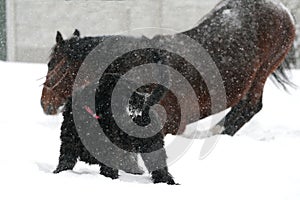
280,75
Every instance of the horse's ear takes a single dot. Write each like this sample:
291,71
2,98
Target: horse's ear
59,38
76,33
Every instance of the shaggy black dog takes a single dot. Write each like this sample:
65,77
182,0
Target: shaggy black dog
151,147
81,138
72,147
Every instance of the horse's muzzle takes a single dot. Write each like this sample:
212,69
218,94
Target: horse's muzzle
48,109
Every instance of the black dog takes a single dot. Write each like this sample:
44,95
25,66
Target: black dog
73,149
81,138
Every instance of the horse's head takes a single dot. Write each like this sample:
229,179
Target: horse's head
62,69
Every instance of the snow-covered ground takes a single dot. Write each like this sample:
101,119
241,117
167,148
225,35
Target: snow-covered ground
261,162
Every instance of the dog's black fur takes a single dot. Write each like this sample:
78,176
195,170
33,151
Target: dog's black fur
72,147
151,148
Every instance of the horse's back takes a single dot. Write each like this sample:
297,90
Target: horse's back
241,36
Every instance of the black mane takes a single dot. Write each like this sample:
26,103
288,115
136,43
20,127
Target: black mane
76,49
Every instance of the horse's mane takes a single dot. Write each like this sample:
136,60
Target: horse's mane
76,49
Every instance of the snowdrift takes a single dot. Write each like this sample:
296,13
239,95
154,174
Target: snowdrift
260,162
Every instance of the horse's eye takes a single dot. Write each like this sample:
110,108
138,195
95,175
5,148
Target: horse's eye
51,65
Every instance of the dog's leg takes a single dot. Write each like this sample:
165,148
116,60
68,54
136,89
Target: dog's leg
157,166
68,155
108,172
69,151
156,163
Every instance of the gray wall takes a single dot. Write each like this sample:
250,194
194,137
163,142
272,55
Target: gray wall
294,5
32,24
2,30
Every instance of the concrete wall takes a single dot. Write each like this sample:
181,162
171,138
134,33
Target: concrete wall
32,24
294,6
2,30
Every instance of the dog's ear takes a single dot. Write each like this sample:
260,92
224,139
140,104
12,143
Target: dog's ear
59,38
76,33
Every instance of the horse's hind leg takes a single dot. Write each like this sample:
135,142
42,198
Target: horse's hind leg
249,106
240,115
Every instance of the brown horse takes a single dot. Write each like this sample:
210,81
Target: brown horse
247,40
